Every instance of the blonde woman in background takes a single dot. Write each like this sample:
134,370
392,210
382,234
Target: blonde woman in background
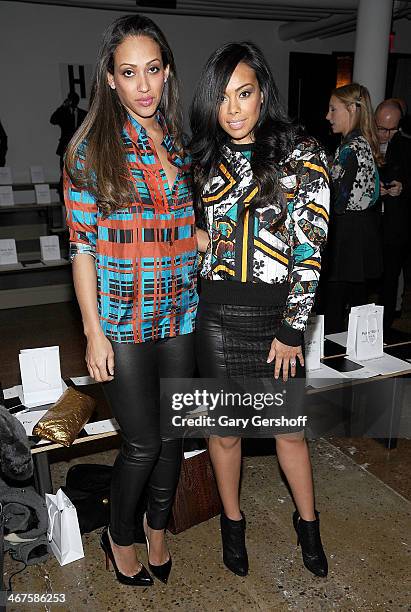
354,248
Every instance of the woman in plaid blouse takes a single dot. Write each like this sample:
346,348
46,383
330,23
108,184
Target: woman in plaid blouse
134,252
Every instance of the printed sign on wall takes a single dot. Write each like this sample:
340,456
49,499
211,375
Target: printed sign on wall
78,78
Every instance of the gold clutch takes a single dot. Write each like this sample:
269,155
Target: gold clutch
66,418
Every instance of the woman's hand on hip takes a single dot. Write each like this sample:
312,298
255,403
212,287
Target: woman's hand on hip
100,357
286,357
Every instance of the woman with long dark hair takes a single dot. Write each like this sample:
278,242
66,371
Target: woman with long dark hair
354,252
133,245
262,193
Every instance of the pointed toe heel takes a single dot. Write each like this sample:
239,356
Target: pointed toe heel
308,536
141,579
161,572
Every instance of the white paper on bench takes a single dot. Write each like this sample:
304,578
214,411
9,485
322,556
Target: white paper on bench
83,380
12,392
364,372
193,453
30,419
101,426
339,338
318,378
387,364
322,377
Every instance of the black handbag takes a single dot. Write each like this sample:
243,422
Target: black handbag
88,488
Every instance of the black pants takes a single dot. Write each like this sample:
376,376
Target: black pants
145,458
394,258
339,296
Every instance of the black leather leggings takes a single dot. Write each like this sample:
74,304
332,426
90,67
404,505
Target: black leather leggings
145,458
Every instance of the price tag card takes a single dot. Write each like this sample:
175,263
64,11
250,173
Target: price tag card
5,176
43,195
50,248
6,195
8,252
37,174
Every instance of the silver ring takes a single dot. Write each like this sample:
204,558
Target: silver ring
293,363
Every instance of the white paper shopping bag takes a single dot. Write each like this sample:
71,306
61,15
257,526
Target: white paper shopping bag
365,332
40,375
314,343
369,340
352,327
63,530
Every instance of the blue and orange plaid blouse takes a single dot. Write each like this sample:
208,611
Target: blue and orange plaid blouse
145,254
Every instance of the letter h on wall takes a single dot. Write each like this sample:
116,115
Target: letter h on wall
79,80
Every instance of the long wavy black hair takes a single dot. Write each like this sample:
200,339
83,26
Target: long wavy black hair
274,133
105,172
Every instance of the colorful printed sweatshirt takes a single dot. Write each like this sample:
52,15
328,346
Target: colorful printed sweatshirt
253,247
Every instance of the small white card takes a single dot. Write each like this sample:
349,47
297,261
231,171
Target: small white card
37,174
6,195
43,195
40,375
5,176
50,248
8,252
101,426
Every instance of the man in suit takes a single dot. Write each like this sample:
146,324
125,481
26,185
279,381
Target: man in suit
395,177
68,117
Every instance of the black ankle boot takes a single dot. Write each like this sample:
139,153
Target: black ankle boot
234,551
308,535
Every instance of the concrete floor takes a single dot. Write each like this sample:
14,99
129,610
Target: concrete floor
365,530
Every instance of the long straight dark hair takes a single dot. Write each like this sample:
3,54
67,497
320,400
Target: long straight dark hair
105,174
274,133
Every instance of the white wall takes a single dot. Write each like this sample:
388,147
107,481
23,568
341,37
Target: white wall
34,39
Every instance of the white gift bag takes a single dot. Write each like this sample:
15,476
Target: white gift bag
40,375
314,343
63,530
365,332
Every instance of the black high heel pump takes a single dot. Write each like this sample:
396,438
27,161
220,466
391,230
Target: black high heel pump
161,572
142,578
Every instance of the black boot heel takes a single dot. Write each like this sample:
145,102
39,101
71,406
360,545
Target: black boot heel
142,578
234,551
308,536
